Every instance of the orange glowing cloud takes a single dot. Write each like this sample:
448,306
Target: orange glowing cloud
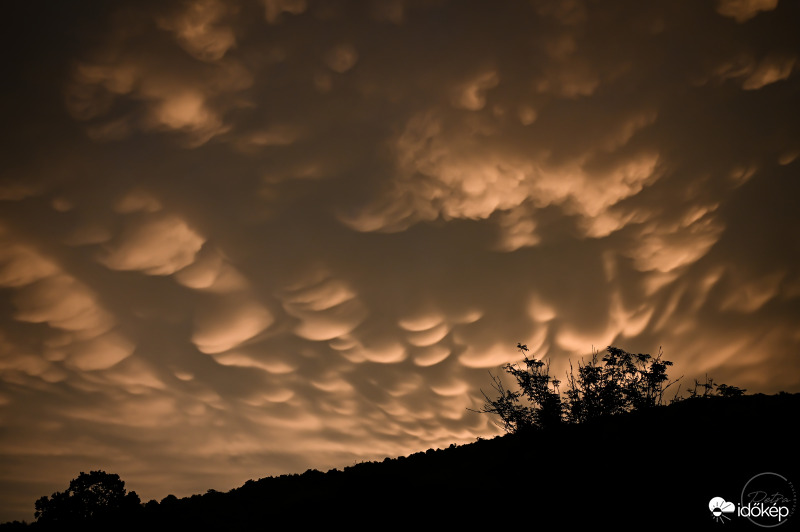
198,32
460,173
228,323
326,309
472,95
768,71
101,352
273,9
431,355
63,303
491,357
743,10
174,100
341,58
160,245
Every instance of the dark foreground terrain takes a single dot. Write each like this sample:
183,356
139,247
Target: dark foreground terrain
652,470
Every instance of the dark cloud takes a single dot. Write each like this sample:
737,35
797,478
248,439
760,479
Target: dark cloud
248,238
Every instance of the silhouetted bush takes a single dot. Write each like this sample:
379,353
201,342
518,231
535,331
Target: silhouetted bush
708,390
622,383
619,382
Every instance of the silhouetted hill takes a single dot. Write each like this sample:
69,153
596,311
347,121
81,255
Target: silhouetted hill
651,470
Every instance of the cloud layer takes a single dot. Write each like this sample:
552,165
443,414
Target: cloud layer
248,238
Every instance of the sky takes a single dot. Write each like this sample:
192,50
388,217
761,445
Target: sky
248,238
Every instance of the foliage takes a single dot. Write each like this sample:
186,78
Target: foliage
622,383
89,498
540,389
616,383
707,387
544,407
723,390
514,416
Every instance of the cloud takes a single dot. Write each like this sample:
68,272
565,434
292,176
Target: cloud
198,32
341,58
79,331
228,323
160,245
471,95
769,70
389,11
468,172
63,303
273,9
101,352
326,309
744,10
22,266
185,97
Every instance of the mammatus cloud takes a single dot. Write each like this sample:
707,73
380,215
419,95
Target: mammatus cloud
199,30
82,334
743,10
248,238
274,9
157,246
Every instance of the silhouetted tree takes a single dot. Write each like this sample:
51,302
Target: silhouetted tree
90,498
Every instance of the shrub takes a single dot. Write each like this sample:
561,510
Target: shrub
616,383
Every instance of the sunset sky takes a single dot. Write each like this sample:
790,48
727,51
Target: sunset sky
247,238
